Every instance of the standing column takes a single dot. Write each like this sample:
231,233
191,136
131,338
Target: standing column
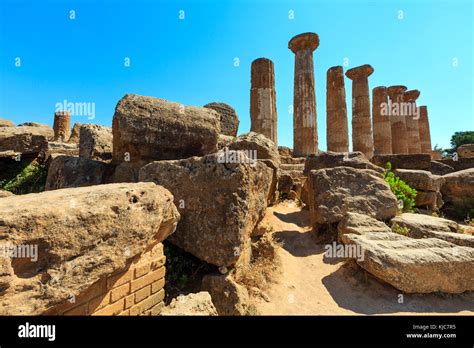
397,121
263,113
305,130
425,136
381,122
361,124
62,125
412,121
336,111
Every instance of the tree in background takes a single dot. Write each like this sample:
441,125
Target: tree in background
458,139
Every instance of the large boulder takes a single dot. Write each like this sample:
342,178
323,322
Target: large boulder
76,237
420,179
25,139
405,161
336,159
458,193
220,201
466,151
58,147
191,304
334,192
150,129
415,265
228,118
95,142
68,171
360,224
425,226
6,123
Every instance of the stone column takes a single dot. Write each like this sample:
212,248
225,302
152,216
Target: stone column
412,121
336,111
397,122
425,136
361,124
305,130
381,122
263,113
62,125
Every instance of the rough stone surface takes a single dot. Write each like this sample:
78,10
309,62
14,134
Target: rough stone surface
263,113
25,139
191,304
220,203
362,139
429,200
305,130
461,164
257,145
95,142
425,226
381,126
75,133
6,123
458,193
404,161
224,140
228,118
229,297
439,168
425,134
398,122
420,179
337,191
62,126
5,194
127,171
336,112
58,147
146,128
285,151
68,171
416,265
78,240
466,151
333,159
360,224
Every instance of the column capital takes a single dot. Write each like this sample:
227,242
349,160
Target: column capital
304,41
393,91
411,96
360,72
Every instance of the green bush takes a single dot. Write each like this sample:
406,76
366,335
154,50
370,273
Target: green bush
31,178
400,188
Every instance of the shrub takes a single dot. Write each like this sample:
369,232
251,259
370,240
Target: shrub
31,178
400,188
396,228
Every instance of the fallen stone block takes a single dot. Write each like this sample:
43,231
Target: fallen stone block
25,139
95,142
360,224
229,120
404,161
336,159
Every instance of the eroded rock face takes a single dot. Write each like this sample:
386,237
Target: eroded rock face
220,202
150,129
404,161
466,151
78,241
416,265
458,193
229,297
68,171
228,118
360,224
420,179
334,192
25,139
6,123
95,142
191,304
75,133
439,168
425,226
335,159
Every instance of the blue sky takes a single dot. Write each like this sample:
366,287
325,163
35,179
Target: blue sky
192,60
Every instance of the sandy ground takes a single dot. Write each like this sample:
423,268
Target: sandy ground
310,284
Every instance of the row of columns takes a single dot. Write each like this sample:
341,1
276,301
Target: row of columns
373,130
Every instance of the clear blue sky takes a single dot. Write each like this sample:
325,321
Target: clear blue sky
192,60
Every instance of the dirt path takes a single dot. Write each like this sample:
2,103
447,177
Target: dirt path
310,284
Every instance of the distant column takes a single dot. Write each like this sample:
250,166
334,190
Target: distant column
305,130
263,113
397,122
381,123
361,124
425,136
412,121
62,125
336,111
